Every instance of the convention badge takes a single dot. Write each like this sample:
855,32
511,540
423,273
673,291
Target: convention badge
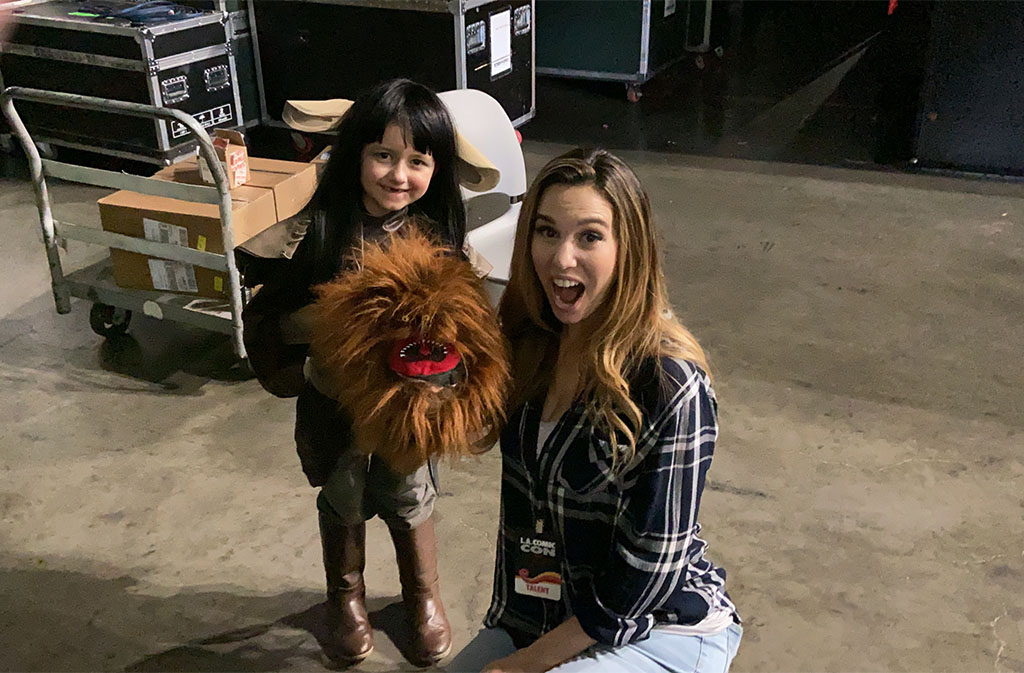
537,566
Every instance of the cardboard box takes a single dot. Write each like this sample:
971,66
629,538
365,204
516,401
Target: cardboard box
196,225
233,155
292,182
320,160
276,190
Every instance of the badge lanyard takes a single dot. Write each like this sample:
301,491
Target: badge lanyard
537,565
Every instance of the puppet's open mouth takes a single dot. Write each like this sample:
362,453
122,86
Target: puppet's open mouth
425,360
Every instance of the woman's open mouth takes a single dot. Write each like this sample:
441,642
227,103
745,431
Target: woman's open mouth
567,292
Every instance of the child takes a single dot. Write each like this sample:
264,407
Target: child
395,155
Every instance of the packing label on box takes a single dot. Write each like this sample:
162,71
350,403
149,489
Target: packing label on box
162,232
168,275
172,276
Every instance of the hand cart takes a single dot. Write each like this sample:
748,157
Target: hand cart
112,305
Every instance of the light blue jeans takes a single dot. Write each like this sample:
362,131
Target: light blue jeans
660,653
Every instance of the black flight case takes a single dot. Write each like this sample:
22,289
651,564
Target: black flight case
319,49
186,64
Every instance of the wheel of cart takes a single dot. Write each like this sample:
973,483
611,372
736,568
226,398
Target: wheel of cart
108,321
113,306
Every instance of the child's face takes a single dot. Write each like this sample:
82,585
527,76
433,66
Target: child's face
393,174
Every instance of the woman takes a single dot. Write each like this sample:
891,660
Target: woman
394,155
612,428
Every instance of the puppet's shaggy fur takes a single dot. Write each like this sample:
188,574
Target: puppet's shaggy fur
403,286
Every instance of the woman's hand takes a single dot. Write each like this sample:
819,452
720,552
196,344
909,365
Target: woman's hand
555,647
519,661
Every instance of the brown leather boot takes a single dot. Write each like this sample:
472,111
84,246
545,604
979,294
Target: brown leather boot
416,553
351,638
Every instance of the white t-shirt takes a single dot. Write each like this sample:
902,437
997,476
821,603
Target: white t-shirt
715,622
546,428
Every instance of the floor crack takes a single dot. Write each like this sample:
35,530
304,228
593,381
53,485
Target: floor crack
999,641
978,561
911,460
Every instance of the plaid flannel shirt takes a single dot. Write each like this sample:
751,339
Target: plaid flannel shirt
629,549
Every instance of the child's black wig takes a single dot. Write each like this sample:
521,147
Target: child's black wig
428,128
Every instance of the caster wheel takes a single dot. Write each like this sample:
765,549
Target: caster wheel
109,321
241,370
633,93
47,151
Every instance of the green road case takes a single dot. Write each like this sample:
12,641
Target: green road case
620,40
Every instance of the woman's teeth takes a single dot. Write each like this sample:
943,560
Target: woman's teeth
568,291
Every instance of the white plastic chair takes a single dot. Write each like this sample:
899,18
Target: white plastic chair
483,122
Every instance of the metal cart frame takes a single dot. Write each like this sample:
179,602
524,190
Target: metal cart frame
113,305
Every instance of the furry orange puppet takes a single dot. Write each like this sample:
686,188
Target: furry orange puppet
410,340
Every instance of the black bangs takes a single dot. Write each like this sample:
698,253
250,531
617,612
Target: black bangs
430,128
419,113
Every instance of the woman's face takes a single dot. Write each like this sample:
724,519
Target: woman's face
393,174
574,250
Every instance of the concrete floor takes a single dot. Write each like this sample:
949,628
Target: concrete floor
865,332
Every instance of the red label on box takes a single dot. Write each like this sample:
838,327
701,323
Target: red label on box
239,168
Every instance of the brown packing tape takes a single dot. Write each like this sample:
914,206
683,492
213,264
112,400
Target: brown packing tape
292,182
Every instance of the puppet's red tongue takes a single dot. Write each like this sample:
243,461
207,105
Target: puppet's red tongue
569,295
416,357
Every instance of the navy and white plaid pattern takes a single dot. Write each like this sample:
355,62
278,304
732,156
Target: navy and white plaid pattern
630,552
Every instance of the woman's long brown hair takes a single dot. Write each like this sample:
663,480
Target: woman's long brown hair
635,322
